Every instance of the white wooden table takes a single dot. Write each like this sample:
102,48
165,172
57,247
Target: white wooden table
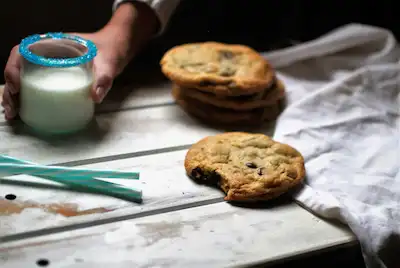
179,223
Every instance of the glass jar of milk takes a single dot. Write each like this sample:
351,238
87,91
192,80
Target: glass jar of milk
56,80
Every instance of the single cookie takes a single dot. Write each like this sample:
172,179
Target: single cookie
269,97
245,166
222,69
212,114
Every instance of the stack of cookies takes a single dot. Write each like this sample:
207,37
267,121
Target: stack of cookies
223,84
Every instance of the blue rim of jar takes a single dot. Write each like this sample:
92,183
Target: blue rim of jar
57,62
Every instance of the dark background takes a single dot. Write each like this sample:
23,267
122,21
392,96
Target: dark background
19,18
261,24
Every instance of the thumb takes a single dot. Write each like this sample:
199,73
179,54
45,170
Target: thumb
104,76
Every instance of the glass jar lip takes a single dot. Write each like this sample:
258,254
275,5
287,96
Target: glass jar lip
57,62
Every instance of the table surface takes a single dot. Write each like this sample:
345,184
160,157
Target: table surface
139,128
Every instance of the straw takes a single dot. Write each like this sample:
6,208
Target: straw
85,183
14,169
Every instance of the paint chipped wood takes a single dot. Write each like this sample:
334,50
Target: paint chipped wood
181,230
114,134
128,96
162,179
226,235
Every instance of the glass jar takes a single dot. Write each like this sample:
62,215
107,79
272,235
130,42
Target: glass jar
56,81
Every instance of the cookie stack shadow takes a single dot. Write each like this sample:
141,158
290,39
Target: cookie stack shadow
224,84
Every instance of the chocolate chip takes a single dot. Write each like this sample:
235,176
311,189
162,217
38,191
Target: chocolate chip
226,55
213,178
197,173
251,165
10,196
292,174
261,171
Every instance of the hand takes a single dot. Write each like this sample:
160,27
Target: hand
131,26
109,62
106,68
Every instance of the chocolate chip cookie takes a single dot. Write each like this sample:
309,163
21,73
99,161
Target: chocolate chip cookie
215,115
245,166
222,69
239,103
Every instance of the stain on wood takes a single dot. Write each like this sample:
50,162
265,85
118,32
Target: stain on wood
67,209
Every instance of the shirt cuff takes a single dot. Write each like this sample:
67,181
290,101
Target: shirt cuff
162,8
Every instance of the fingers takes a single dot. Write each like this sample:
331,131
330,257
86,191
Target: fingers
104,76
12,86
105,66
9,103
11,72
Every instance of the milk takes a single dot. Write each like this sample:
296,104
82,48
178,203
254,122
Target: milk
56,100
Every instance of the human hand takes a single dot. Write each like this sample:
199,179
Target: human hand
106,68
129,29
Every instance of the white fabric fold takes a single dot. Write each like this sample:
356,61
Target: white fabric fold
343,115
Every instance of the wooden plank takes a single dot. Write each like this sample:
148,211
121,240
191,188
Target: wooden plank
36,207
217,235
129,132
128,96
114,134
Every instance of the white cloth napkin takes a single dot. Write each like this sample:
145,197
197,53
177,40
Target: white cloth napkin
343,115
